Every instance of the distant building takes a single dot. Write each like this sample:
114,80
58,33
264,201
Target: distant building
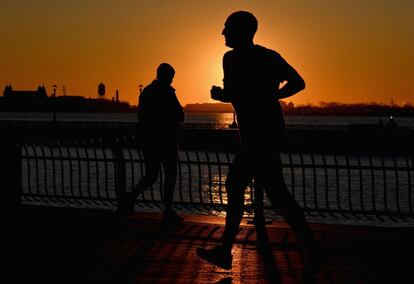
39,93
38,101
70,99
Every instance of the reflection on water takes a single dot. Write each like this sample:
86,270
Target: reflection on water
218,195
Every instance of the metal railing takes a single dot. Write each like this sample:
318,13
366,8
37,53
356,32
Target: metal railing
327,173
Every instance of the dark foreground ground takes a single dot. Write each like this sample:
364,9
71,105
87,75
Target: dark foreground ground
55,245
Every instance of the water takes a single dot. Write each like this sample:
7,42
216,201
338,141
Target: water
219,119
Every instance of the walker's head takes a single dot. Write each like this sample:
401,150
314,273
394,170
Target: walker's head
165,73
239,29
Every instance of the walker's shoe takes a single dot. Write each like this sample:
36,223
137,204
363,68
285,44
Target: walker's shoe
217,256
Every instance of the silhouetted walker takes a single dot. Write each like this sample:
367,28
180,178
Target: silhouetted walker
252,78
159,114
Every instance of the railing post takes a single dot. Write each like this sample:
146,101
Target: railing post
258,218
258,207
120,169
10,171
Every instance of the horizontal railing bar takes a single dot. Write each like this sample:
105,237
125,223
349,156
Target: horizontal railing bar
192,162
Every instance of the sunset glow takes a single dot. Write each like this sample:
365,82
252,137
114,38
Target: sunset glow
347,51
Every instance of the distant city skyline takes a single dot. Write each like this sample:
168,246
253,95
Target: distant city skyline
347,51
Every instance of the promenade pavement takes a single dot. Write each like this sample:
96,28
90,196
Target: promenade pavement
62,245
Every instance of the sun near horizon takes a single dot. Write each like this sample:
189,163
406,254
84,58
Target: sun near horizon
348,52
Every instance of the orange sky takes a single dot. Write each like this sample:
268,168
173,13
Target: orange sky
347,51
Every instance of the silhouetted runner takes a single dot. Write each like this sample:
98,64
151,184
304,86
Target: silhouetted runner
159,114
252,78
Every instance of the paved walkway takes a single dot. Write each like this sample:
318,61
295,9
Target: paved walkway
55,245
